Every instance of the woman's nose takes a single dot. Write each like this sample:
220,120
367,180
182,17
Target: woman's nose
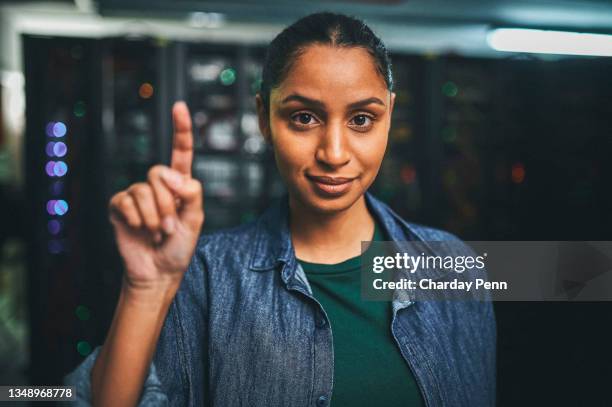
333,149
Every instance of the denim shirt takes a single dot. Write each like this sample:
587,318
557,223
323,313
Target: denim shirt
245,330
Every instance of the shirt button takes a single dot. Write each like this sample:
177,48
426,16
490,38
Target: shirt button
321,322
322,401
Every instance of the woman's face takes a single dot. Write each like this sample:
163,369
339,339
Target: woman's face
328,124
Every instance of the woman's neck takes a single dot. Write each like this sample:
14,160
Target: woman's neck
329,239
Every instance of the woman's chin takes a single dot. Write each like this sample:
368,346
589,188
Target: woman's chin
329,205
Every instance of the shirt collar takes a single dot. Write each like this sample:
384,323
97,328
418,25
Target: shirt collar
272,245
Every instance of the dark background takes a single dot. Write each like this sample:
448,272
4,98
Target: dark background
508,148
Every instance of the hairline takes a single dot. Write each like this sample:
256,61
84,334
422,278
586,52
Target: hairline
332,42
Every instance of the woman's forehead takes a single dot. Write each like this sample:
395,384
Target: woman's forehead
321,70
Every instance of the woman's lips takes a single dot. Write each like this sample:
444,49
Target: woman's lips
331,186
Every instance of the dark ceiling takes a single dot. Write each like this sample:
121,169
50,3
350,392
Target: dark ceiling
593,15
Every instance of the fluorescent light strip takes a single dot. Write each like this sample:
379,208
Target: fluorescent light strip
549,42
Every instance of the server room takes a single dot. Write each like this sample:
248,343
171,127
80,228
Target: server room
185,195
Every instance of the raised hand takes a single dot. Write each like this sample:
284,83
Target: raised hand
157,222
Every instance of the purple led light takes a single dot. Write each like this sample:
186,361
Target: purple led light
60,207
54,226
49,148
49,168
49,129
60,149
60,169
51,206
59,129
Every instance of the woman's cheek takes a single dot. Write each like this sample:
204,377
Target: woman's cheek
370,151
292,155
290,159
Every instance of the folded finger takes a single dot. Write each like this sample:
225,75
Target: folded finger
191,209
123,206
143,196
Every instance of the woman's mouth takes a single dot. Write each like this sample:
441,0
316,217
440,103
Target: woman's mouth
331,186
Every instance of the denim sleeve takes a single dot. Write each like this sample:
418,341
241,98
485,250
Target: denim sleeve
178,370
152,394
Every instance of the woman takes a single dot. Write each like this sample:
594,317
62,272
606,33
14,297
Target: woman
244,317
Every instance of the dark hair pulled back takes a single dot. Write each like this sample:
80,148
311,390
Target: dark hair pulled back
320,28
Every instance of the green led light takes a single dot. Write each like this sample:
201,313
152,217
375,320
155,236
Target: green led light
227,76
84,348
450,89
83,313
79,109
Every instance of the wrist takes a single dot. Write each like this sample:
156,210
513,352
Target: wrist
150,293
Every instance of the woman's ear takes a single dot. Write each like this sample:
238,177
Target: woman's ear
391,104
263,119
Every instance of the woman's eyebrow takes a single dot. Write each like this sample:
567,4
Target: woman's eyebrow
365,102
303,99
313,102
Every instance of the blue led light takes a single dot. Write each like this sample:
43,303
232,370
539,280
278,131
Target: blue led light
60,207
60,169
56,207
60,149
59,129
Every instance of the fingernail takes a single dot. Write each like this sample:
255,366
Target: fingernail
168,224
174,178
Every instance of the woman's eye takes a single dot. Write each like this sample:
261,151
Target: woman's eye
362,120
303,119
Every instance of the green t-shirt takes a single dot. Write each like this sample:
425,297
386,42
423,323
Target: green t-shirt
369,369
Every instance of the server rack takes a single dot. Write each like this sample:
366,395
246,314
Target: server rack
105,106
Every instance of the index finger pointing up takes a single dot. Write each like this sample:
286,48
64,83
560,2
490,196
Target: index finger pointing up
182,143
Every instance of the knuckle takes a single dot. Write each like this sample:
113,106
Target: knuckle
155,171
162,192
139,189
125,203
115,199
195,186
132,188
